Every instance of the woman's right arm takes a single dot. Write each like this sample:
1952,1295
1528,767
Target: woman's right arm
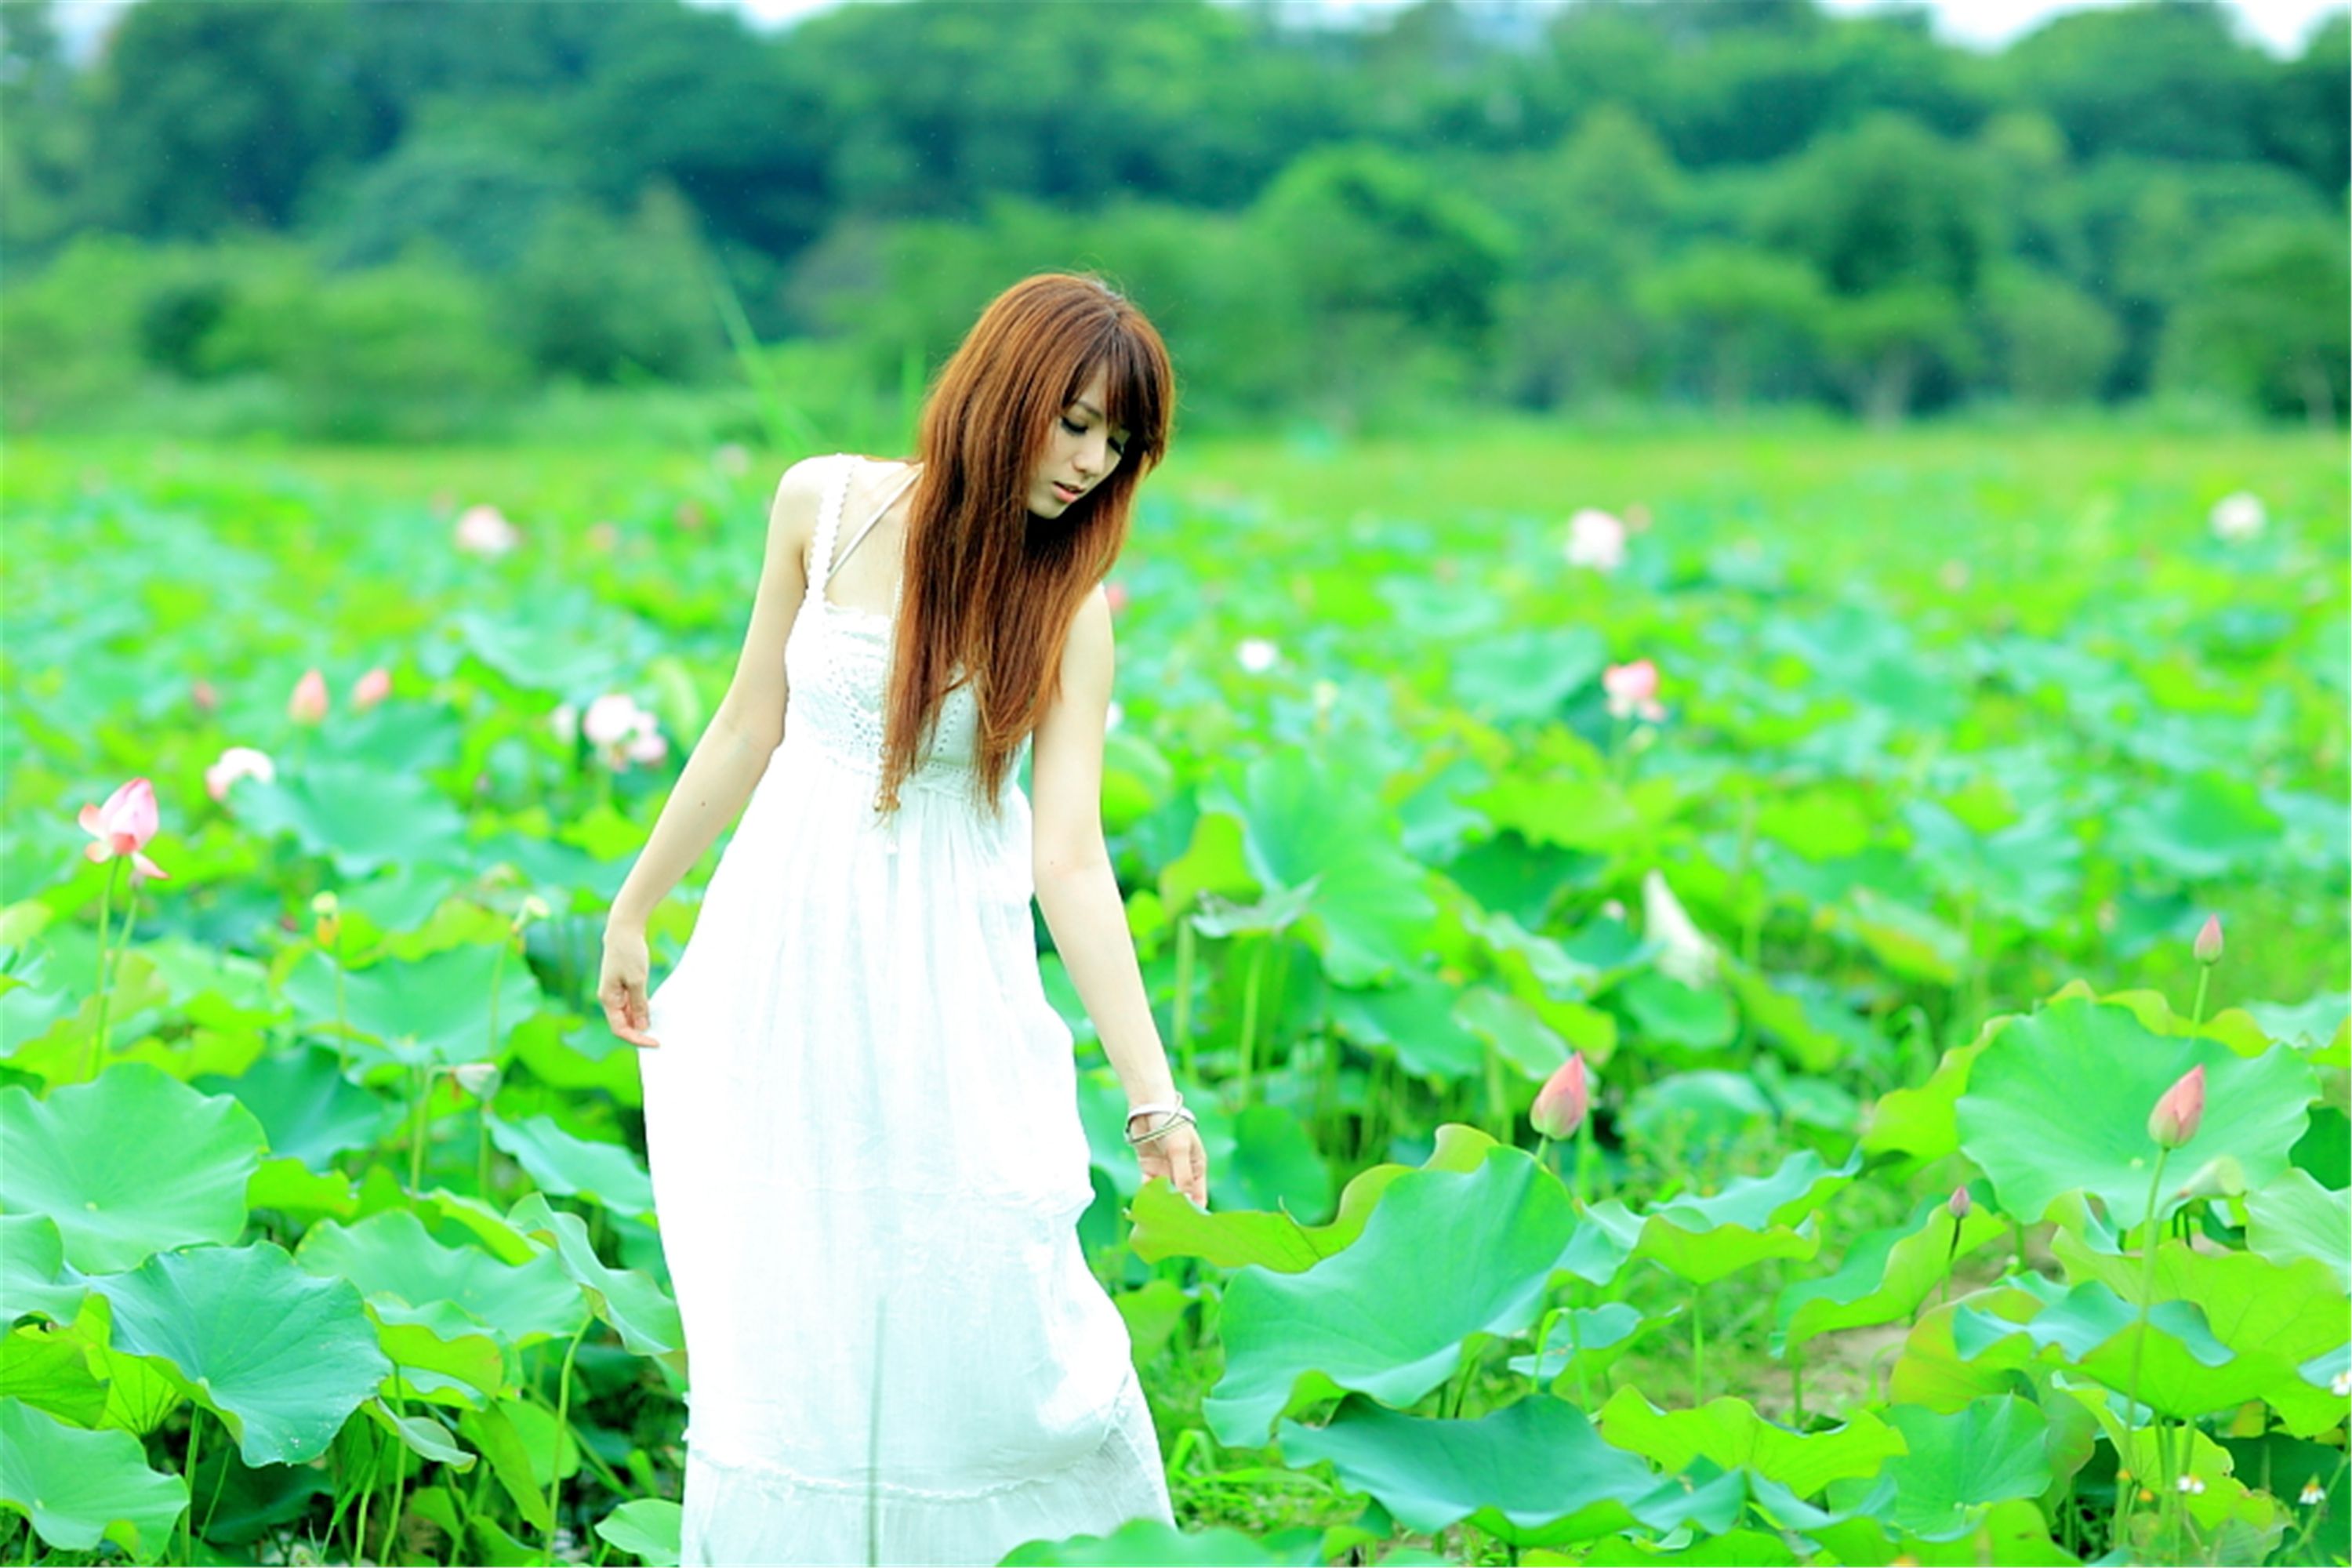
733,753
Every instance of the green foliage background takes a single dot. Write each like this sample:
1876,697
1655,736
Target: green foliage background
429,220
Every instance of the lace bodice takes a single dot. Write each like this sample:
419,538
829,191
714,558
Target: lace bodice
837,665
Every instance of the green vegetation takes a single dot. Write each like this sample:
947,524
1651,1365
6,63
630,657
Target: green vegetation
440,221
1874,916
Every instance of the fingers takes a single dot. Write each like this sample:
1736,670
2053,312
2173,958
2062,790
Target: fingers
627,1014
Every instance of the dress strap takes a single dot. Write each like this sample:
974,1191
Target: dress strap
828,524
859,537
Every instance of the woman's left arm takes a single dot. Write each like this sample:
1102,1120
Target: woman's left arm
1077,891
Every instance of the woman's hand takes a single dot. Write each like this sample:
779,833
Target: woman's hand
621,986
1177,1156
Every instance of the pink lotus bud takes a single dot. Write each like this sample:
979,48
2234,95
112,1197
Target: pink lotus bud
235,764
2179,1109
1561,1105
1632,689
1117,594
371,689
202,695
1959,1203
122,826
308,703
2208,946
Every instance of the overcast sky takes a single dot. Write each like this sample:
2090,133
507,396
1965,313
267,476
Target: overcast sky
2280,26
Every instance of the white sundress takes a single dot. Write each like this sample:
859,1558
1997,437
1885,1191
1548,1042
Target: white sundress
867,1163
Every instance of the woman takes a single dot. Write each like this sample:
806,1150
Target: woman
862,1120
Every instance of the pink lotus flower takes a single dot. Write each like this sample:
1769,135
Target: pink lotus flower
622,732
308,703
2208,946
2179,1109
1632,689
122,826
1595,539
1561,1105
1117,594
483,530
1959,1203
238,762
371,689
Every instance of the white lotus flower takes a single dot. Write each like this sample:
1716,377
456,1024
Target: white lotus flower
1596,539
611,719
235,764
2237,516
484,531
1257,654
1686,953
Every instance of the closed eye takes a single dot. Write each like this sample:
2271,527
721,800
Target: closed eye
1117,443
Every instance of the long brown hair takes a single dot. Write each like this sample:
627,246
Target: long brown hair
989,589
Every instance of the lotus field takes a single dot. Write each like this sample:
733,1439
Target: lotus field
1751,1000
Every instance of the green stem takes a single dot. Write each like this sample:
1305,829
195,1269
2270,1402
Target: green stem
2140,1343
1583,1376
188,1526
342,1015
563,1426
105,969
399,1474
498,967
1584,1157
1797,1387
2197,1012
1698,1350
1185,940
417,1131
1249,1009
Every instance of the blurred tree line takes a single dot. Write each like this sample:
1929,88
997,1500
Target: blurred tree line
395,217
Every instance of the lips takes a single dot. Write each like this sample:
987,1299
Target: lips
1065,492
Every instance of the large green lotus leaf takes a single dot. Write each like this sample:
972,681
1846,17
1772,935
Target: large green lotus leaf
34,1275
49,1369
310,1111
1276,1165
2295,1216
2060,1100
2011,1533
434,1010
1884,1275
1959,1463
359,816
1443,1256
638,1309
281,1357
1907,939
1528,672
1666,1011
401,1270
2205,825
1300,822
2272,1316
1689,1113
297,1192
1532,1473
1788,1020
1149,1543
1727,1432
442,1355
648,1529
1565,801
1583,1340
1515,1029
82,1487
1170,1225
1416,1019
575,1167
1754,1218
127,1166
2028,869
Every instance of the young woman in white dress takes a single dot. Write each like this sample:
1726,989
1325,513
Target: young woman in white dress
862,1120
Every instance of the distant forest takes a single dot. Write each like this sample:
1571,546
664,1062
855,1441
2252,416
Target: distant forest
339,212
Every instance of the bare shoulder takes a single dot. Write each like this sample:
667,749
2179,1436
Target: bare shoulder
792,514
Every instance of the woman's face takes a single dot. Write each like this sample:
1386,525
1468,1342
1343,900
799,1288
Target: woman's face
1082,451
